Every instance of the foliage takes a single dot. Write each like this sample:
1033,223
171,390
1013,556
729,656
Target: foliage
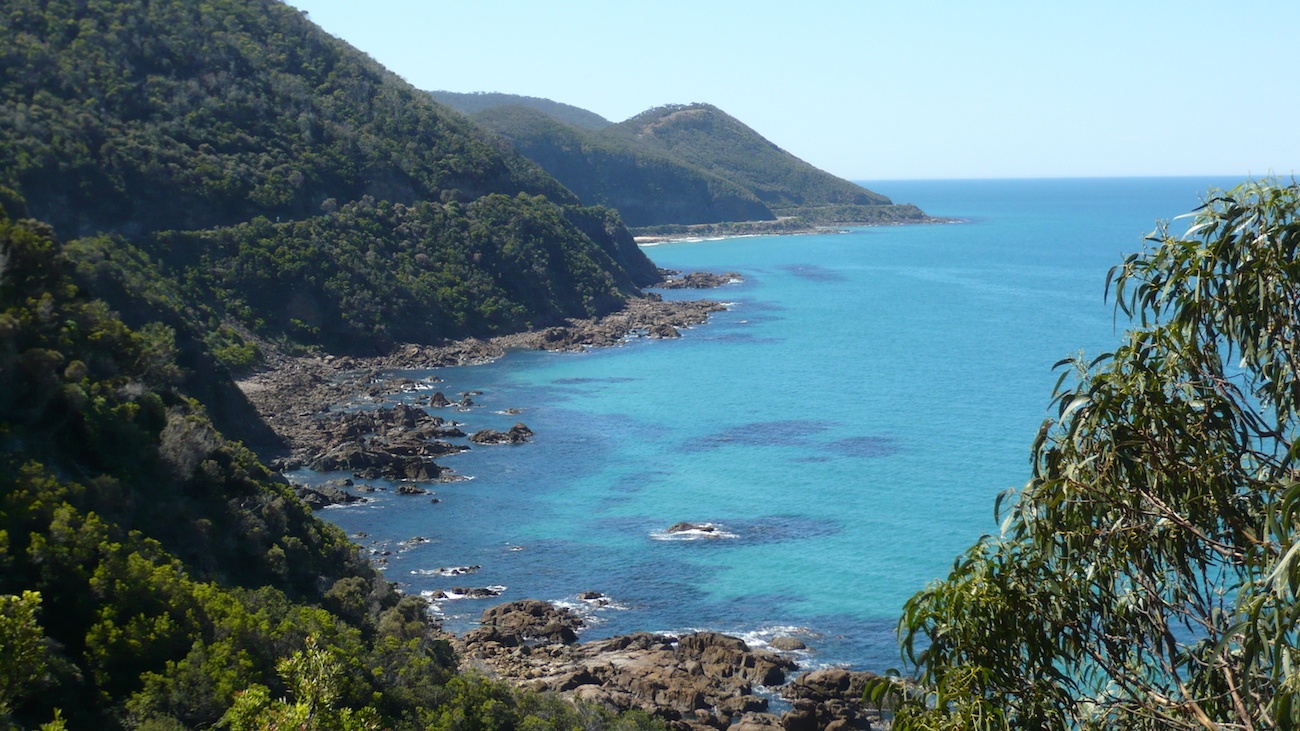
1146,577
646,186
476,102
681,165
150,539
134,116
371,274
313,678
22,656
719,143
156,129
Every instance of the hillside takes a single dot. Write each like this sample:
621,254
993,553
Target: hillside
679,165
482,101
241,121
646,187
154,575
720,143
184,186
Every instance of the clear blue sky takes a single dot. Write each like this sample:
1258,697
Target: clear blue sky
901,89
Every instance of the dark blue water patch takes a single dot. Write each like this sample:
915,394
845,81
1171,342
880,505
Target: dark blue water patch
638,481
813,272
791,432
781,529
866,447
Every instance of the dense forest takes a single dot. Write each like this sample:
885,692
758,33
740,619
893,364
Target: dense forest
647,187
245,125
676,165
473,103
183,187
154,575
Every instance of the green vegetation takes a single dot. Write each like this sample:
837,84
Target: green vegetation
155,575
678,165
720,143
1147,576
211,152
136,116
476,102
228,178
645,186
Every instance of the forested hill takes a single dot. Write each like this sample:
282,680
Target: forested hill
476,102
155,576
720,143
678,164
269,181
647,187
215,179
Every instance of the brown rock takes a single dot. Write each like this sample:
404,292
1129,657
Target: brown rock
518,434
786,643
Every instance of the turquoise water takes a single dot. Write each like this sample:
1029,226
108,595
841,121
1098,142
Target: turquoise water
847,423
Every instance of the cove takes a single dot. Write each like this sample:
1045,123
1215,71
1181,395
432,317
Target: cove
845,425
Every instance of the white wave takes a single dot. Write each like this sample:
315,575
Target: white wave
761,638
497,590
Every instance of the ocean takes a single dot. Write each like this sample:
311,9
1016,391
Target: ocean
845,425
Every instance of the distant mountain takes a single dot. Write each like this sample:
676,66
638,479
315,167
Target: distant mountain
679,164
720,143
481,101
647,187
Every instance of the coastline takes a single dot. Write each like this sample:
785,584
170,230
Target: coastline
718,232
693,682
293,391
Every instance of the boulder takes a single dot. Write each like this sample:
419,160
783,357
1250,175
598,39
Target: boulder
683,527
785,643
321,496
518,434
533,619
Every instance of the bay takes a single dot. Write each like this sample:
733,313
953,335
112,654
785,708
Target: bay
846,425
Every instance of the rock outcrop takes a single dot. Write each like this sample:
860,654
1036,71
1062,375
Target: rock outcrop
518,434
829,700
703,679
695,280
324,495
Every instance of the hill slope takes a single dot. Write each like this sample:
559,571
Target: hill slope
226,176
135,118
678,164
482,101
719,143
645,186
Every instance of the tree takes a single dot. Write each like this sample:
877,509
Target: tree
1147,575
22,654
314,678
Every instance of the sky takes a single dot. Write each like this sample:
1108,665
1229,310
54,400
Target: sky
907,89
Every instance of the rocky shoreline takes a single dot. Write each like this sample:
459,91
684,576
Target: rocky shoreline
298,396
694,682
699,681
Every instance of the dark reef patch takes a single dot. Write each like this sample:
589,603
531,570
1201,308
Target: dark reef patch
866,447
813,272
793,432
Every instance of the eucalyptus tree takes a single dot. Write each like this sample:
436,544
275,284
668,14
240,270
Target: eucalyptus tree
1146,576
